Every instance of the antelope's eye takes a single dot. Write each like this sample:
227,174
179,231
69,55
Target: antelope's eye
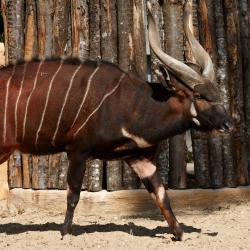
198,97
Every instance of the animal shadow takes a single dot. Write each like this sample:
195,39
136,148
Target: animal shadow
130,228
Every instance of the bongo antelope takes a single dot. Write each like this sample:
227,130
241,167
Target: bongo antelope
93,109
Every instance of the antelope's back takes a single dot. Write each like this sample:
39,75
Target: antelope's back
50,103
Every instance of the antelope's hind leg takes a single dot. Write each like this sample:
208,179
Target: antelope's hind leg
77,166
148,174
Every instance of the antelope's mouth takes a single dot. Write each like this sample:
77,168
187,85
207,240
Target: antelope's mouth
227,127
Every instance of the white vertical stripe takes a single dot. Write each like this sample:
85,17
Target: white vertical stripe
64,103
6,104
46,103
18,97
86,93
98,107
28,100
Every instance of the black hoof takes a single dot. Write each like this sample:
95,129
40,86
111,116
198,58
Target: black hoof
178,232
66,229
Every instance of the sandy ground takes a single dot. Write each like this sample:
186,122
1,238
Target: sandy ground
225,228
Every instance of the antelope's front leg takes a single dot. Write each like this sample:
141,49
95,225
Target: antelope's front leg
74,178
148,174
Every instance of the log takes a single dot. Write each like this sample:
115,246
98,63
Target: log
216,164
95,175
40,165
201,160
45,28
94,29
129,203
15,26
53,171
114,175
173,27
125,35
244,10
15,170
62,177
236,87
31,47
229,168
223,83
5,24
80,29
139,38
109,30
26,169
61,22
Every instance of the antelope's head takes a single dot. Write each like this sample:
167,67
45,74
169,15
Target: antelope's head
206,109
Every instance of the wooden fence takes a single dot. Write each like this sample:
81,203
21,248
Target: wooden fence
115,30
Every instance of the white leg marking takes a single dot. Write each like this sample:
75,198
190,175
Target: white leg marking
18,97
6,104
28,100
161,193
86,93
98,107
144,168
46,103
64,103
141,143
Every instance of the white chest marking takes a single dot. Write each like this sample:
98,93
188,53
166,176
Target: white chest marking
141,143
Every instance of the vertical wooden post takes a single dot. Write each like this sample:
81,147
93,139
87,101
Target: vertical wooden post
5,23
61,22
53,171
139,39
229,172
94,29
31,47
114,175
15,171
236,85
15,26
45,28
173,27
109,30
80,28
244,9
26,169
214,138
95,175
201,161
62,177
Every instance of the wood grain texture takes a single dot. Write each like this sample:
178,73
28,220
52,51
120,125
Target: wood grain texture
128,203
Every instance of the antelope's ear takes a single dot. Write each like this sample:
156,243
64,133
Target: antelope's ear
208,91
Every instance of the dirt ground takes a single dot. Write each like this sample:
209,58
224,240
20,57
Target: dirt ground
225,228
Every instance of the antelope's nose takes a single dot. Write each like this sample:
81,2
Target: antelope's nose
227,126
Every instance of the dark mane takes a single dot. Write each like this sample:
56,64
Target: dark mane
160,93
69,60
